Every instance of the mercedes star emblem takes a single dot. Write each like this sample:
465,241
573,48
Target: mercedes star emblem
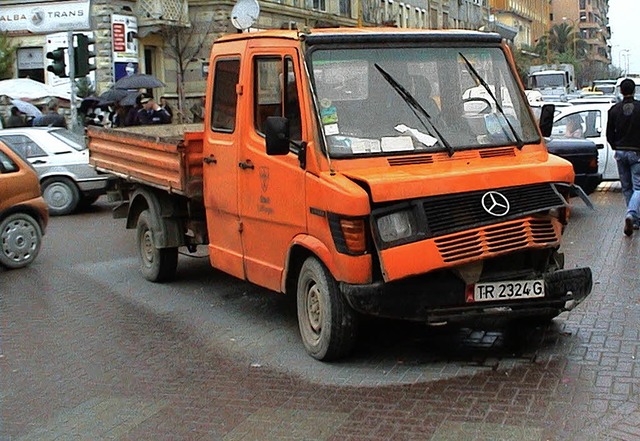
495,203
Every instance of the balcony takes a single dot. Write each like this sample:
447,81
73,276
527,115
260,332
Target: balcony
163,12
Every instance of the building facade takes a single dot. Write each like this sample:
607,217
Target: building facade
529,19
589,18
171,39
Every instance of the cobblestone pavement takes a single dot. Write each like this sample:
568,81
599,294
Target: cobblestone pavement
89,350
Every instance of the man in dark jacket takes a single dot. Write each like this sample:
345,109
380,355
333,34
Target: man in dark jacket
623,133
151,112
52,118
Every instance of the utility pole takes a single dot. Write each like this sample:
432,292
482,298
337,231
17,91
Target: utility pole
72,78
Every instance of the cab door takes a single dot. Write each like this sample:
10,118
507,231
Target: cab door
272,204
220,167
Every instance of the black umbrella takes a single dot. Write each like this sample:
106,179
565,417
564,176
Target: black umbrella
130,99
138,81
88,103
112,95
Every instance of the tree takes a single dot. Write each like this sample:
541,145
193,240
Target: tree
7,55
84,87
183,44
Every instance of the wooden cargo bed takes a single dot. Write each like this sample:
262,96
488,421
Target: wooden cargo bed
168,157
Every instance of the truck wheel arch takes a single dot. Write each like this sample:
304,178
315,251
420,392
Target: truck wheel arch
167,229
302,247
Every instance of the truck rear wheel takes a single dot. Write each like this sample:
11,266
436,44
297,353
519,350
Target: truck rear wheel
328,325
156,264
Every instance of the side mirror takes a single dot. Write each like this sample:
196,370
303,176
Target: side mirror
546,119
277,135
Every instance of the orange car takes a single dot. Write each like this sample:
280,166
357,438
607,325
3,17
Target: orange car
23,211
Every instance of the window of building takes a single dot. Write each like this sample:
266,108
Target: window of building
345,8
319,5
30,61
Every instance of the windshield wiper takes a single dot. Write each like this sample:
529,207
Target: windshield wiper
415,106
486,87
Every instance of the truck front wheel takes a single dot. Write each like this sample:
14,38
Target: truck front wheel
327,323
156,264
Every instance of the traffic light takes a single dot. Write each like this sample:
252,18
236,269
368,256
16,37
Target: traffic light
58,66
82,55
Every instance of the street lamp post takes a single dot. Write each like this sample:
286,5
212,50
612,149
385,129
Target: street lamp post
624,53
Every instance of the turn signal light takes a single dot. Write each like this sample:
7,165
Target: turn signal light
354,235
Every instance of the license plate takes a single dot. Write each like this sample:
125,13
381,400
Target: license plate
508,290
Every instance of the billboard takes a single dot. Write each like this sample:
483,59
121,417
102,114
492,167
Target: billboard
124,32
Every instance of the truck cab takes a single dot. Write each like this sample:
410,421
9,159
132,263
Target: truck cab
383,172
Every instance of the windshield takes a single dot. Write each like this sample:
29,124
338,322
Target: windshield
72,139
548,80
380,101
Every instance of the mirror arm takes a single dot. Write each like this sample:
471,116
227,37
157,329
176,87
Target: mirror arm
301,151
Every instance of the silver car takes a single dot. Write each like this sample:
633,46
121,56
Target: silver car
61,159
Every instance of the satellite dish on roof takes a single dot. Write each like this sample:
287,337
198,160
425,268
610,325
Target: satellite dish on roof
245,13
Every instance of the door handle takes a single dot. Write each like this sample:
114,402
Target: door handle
246,165
210,160
39,161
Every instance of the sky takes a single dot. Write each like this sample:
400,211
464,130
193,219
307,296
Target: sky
624,20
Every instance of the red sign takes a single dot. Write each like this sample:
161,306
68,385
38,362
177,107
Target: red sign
119,38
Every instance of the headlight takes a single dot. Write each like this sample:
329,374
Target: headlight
396,226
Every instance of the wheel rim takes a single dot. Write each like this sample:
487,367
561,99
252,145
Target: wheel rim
19,240
314,308
58,195
146,247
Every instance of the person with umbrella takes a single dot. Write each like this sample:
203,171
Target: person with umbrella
52,118
17,119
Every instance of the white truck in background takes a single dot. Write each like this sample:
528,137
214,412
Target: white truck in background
554,81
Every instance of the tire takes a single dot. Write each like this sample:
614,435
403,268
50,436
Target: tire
156,264
61,195
328,325
20,240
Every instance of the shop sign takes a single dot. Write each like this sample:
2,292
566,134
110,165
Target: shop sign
44,18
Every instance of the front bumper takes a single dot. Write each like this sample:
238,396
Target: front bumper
443,300
588,182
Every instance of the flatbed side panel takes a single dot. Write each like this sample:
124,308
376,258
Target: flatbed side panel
171,163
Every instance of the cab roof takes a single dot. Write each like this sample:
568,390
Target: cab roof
369,34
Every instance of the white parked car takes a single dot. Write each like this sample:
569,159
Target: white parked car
593,120
61,159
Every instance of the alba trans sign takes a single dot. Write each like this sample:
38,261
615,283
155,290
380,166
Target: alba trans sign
44,17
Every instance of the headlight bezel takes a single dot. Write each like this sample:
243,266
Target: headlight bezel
407,215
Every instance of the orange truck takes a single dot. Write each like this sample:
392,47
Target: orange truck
384,172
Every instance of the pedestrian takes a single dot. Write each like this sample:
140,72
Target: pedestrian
16,119
623,134
52,118
165,105
131,118
151,112
198,110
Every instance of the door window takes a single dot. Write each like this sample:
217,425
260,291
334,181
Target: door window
276,93
23,145
6,164
225,98
585,124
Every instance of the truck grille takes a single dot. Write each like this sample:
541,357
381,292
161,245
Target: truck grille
470,229
507,237
464,211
